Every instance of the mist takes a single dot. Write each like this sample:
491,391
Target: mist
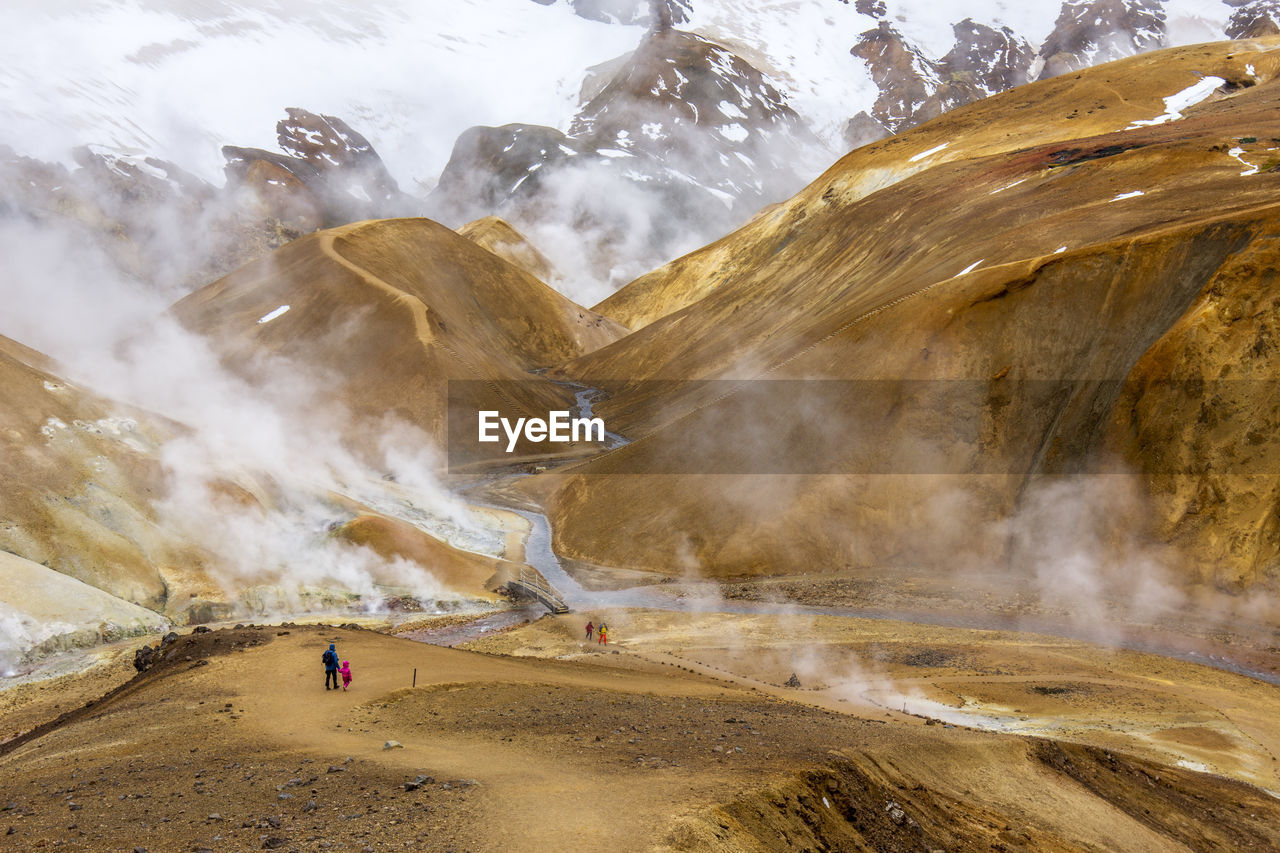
257,465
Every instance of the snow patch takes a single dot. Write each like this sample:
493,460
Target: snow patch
1250,169
1123,196
923,154
271,315
1059,250
733,132
1179,101
969,268
1007,186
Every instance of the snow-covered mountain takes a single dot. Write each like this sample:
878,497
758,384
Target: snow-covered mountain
682,131
510,88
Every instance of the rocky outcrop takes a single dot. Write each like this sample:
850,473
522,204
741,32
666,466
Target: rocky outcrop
683,125
985,60
1253,19
328,174
862,129
135,210
913,88
157,223
1091,32
905,77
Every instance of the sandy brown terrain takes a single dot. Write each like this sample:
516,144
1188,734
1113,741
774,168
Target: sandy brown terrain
678,736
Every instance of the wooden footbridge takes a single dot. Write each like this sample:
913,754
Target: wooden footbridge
530,583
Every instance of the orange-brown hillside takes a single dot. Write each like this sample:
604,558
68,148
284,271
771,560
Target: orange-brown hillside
497,235
384,313
1017,260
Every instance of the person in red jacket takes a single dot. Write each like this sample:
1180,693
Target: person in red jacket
590,629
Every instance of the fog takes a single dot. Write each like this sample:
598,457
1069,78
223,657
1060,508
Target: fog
265,432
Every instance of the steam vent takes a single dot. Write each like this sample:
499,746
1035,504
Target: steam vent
683,426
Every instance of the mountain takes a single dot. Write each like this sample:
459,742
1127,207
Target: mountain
914,88
1090,32
515,120
342,177
45,611
388,313
509,244
1038,286
162,225
1253,19
684,131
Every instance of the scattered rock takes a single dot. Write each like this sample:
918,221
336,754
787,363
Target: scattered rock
393,744
144,658
793,681
418,782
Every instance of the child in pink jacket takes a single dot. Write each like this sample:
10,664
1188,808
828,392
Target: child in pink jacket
345,670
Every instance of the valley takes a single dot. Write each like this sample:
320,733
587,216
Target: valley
925,497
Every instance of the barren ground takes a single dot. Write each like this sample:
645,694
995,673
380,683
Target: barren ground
678,735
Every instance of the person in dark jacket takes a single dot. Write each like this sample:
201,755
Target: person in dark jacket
330,658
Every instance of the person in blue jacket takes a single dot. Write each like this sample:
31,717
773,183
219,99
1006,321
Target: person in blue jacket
330,658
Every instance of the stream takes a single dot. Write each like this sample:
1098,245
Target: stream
539,555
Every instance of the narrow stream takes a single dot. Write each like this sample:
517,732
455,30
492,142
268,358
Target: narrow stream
539,555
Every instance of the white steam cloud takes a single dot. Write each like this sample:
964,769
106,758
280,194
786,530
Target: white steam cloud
258,470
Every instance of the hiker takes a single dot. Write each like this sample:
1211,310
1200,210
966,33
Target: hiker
604,637
330,658
346,674
590,628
